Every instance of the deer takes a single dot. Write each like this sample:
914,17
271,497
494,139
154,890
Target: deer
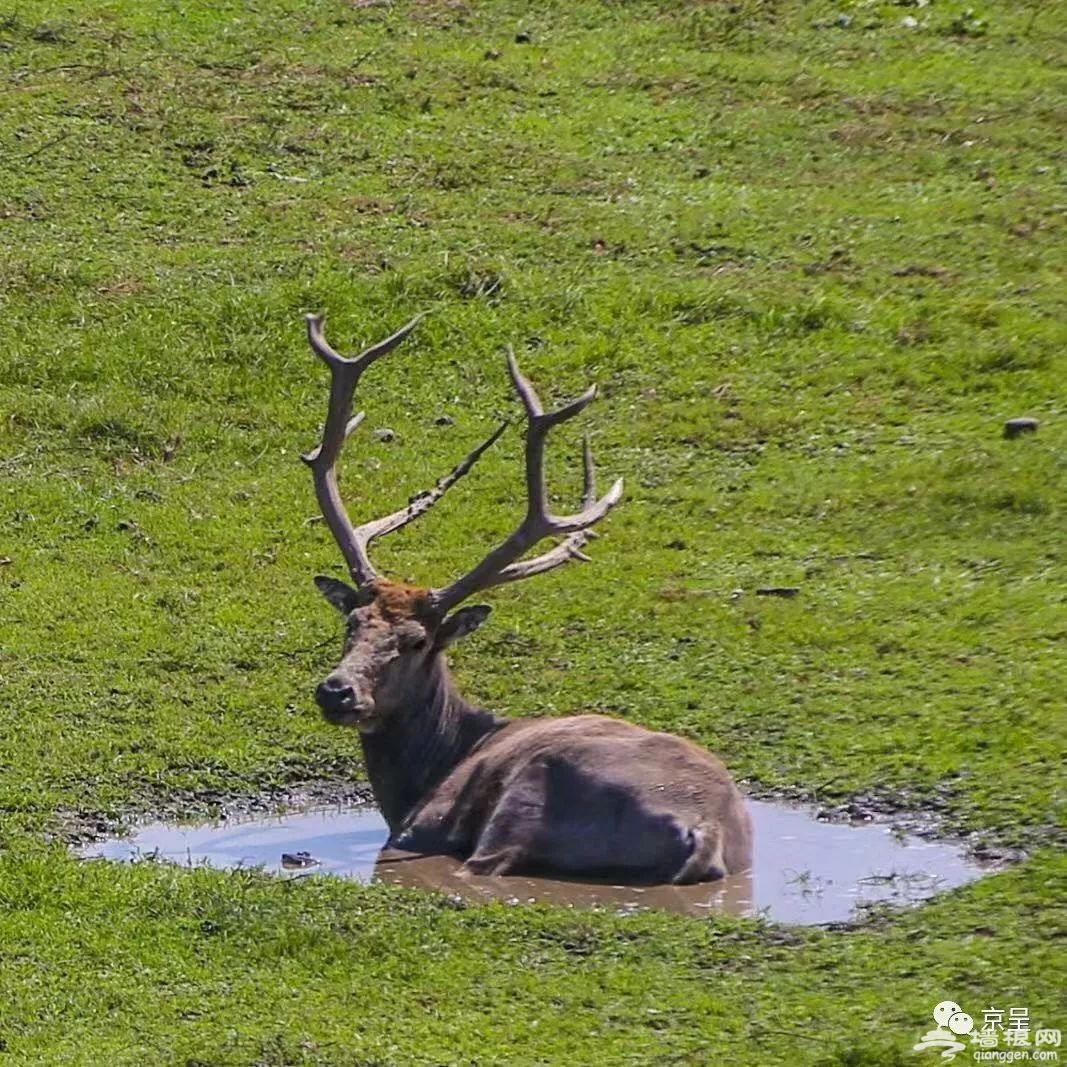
588,795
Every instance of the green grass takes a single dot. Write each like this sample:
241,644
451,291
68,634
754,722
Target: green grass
812,255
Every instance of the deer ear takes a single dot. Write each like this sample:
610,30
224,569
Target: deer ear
460,623
343,597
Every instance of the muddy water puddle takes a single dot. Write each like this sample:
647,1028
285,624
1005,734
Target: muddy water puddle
805,871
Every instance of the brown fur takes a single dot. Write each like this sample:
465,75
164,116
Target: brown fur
396,602
583,794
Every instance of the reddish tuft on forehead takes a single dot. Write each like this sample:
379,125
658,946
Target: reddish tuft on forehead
398,602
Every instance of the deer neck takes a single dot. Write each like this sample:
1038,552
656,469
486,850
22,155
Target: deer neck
422,742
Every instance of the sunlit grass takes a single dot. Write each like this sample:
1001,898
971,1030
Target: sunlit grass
811,254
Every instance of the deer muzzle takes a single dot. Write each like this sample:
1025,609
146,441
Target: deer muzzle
340,702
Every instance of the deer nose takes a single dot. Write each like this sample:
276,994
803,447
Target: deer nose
335,695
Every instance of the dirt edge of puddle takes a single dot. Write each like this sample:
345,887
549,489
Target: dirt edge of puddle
76,828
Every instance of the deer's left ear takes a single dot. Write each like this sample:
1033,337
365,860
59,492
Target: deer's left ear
460,623
343,597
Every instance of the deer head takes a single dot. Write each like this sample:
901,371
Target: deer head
396,633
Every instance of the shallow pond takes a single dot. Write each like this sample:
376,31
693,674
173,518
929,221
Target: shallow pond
805,870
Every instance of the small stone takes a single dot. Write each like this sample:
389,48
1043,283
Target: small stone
443,420
295,861
523,38
1017,427
384,435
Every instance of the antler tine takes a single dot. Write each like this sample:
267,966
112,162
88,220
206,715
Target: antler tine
340,423
354,541
568,549
500,565
359,363
422,502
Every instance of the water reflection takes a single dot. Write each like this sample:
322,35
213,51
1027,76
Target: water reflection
804,870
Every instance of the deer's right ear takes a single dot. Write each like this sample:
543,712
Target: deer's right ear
460,623
343,597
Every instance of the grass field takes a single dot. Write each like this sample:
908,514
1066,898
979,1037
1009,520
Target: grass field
813,255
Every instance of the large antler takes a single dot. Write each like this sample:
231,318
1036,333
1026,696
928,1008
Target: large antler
344,377
500,565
